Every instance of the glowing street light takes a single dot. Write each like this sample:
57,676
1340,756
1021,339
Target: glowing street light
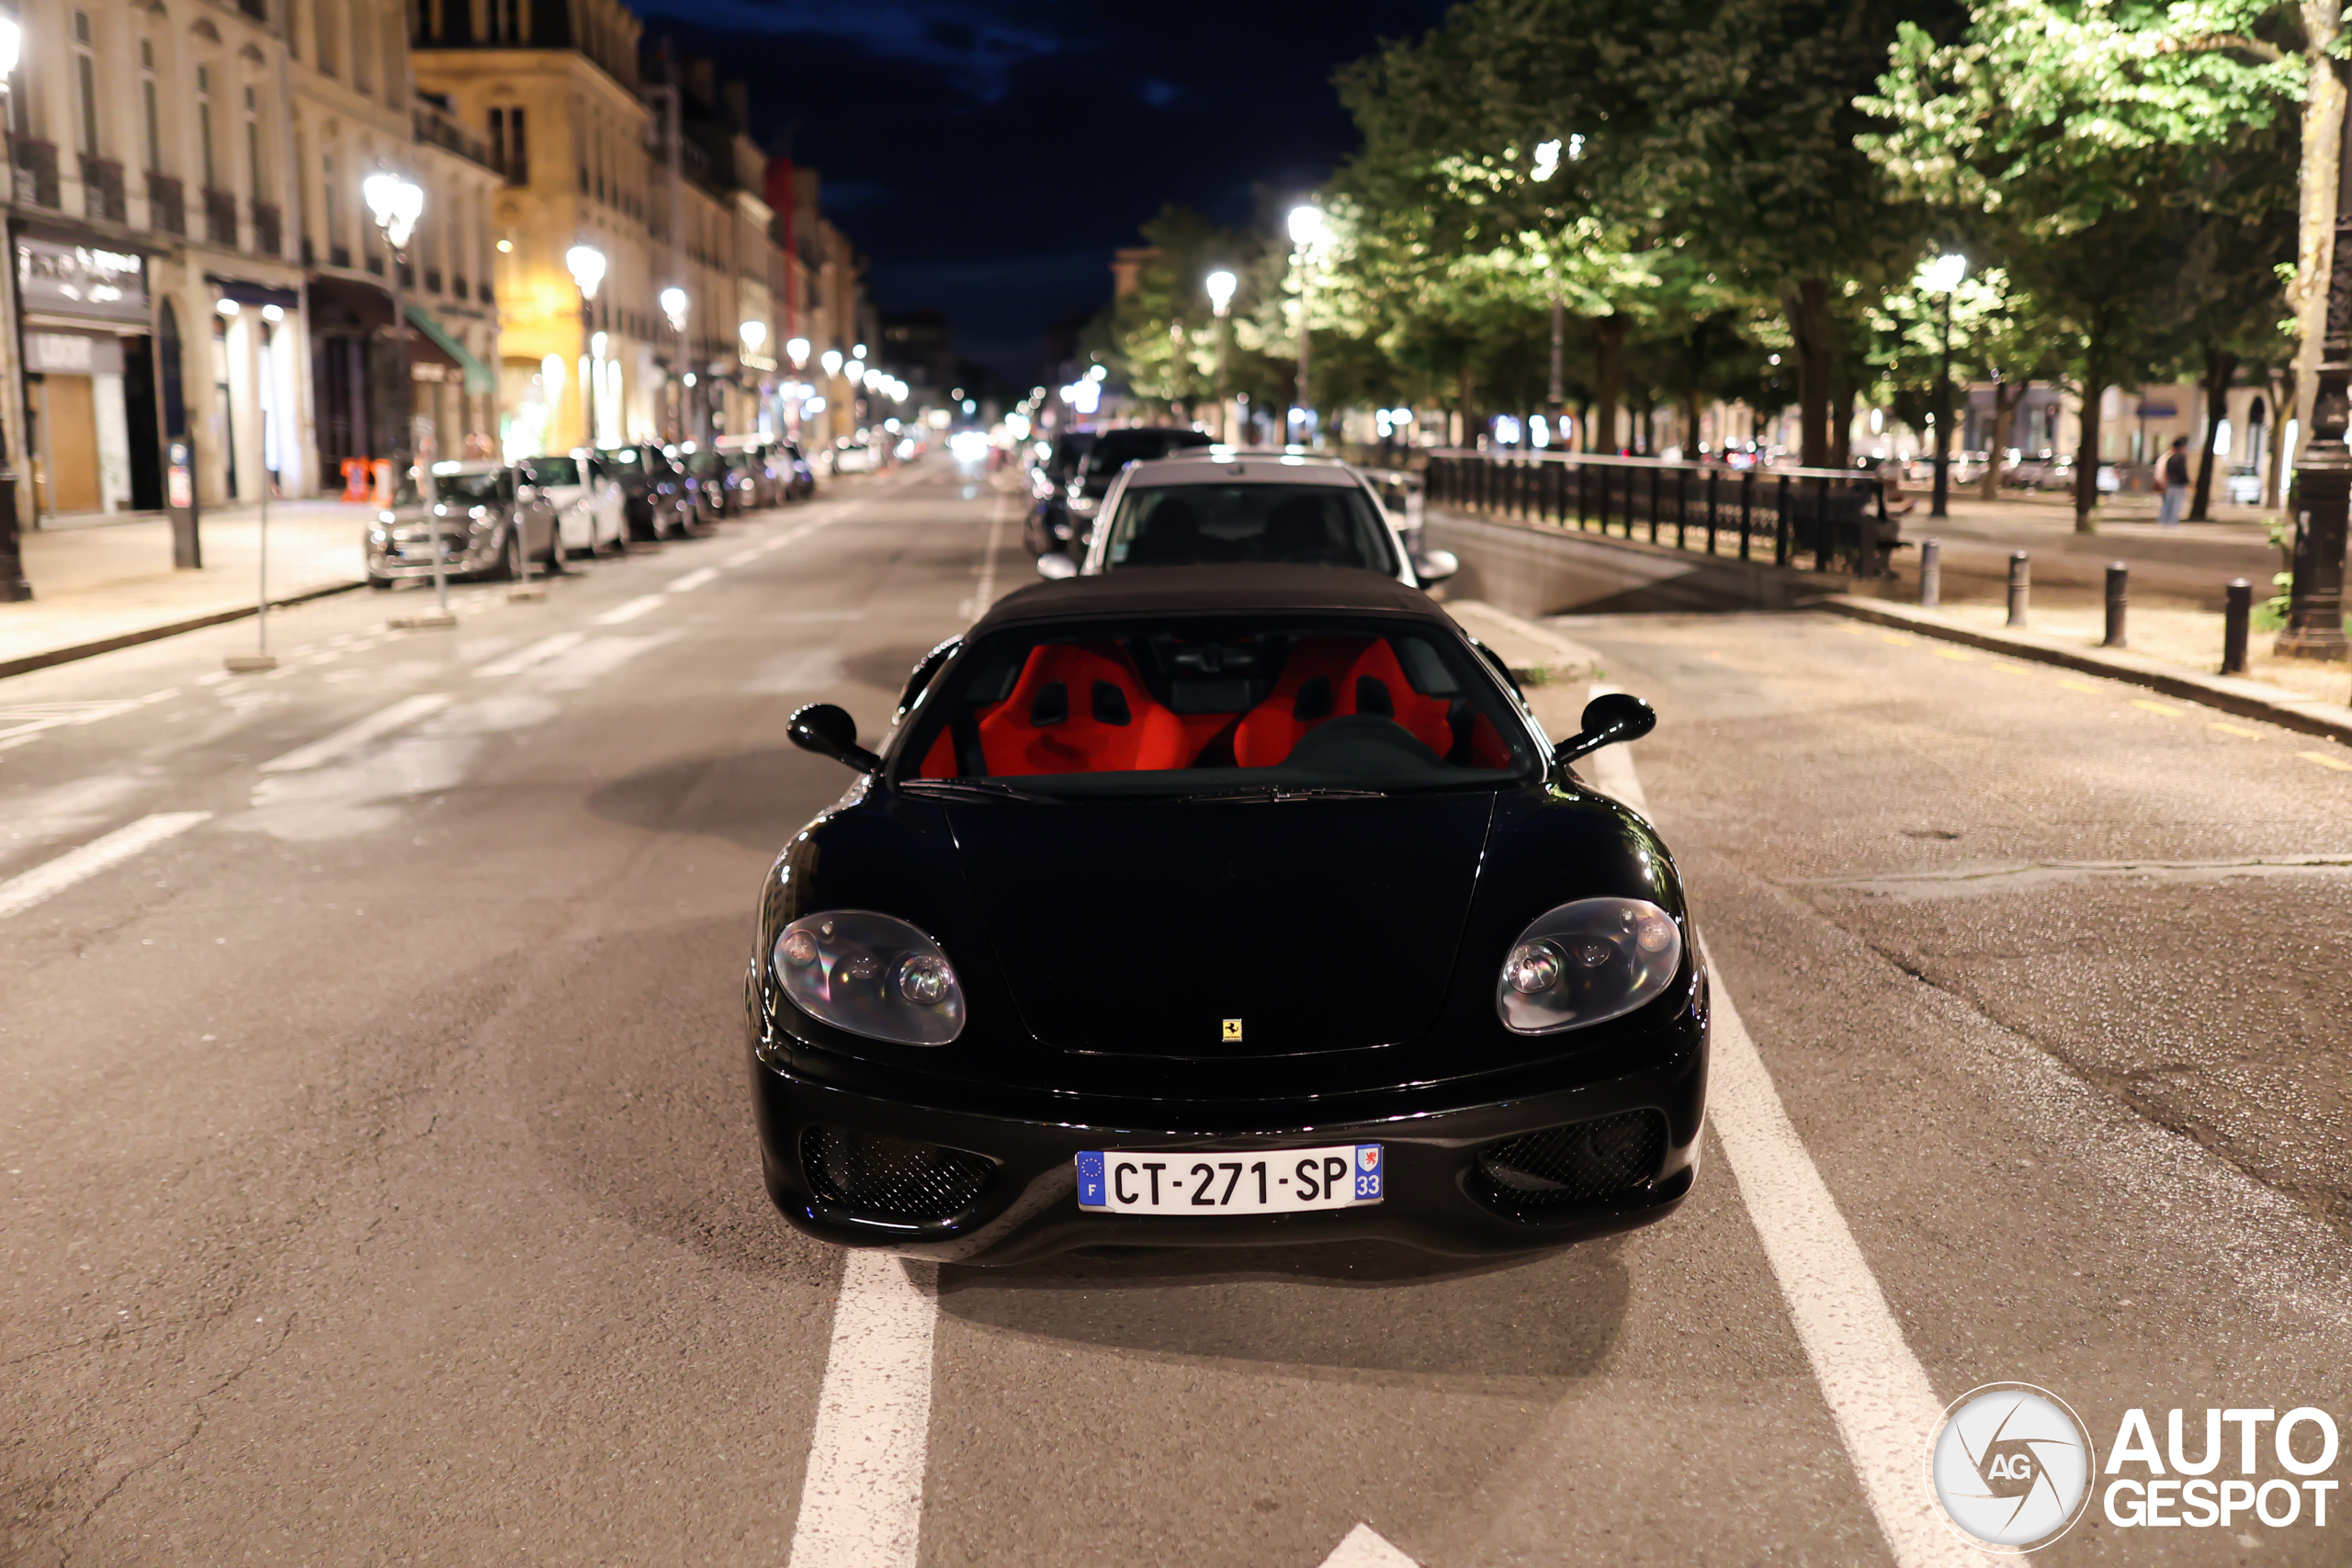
797,349
1221,284
1307,231
396,203
1307,224
1942,276
832,361
586,264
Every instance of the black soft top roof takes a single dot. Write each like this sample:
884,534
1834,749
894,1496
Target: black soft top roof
1208,590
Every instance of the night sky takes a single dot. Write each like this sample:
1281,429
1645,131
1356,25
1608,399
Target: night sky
989,154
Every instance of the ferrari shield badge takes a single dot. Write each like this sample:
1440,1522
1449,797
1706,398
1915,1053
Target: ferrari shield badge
1232,1029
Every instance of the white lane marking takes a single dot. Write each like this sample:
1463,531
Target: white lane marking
539,652
63,809
215,679
352,737
985,594
693,580
1877,1391
745,558
595,658
1364,1547
861,1502
34,718
51,878
630,609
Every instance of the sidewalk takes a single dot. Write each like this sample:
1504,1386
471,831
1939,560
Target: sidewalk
110,585
2183,567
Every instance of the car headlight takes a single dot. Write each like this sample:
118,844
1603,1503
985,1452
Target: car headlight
870,974
1586,962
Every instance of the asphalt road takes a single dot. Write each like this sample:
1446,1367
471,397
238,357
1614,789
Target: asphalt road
380,1184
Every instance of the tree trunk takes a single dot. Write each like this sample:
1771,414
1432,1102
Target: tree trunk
2322,156
2006,398
2086,456
1462,401
2221,370
1608,367
2274,491
1841,419
1691,411
1814,336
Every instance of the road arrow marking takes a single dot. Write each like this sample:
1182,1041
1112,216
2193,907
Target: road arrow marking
1364,1547
352,737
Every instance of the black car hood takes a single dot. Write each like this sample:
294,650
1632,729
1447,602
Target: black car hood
1142,929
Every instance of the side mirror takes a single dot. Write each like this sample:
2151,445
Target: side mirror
1055,566
1609,718
831,732
1436,566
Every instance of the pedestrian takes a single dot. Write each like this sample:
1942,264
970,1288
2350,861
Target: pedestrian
2176,483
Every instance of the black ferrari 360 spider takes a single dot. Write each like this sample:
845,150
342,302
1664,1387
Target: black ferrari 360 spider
1214,906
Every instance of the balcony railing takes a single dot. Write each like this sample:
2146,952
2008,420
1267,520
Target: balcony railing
166,204
36,170
442,131
1834,520
220,216
267,232
102,195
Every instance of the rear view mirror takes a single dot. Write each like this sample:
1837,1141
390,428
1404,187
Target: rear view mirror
1609,718
831,732
1435,566
1053,566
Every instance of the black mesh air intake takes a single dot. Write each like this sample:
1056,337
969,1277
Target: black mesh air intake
1560,1167
890,1179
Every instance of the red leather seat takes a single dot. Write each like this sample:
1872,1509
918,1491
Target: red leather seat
1327,677
1079,708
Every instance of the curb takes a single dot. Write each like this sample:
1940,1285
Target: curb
2231,694
67,655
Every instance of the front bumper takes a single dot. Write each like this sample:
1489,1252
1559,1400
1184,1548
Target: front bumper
411,555
1438,1198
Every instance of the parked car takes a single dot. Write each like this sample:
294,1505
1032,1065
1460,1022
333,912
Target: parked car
1227,507
589,506
2055,471
723,487
799,476
955,1050
480,518
760,460
2242,487
1063,515
653,491
854,455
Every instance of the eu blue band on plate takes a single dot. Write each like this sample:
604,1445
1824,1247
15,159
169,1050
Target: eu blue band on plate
1368,1173
1090,1180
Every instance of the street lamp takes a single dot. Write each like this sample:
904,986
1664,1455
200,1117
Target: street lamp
587,265
1221,284
1307,230
754,334
1942,276
396,202
832,361
675,306
798,350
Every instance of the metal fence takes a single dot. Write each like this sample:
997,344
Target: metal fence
1828,519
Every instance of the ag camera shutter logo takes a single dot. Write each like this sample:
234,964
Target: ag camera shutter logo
2011,1466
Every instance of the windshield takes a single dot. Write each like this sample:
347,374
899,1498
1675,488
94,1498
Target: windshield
1205,707
1204,524
1114,449
552,470
705,463
1069,452
471,487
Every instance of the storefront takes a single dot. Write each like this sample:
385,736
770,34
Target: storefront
93,430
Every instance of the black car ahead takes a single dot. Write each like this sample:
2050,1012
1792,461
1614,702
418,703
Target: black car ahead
653,491
1212,905
1066,511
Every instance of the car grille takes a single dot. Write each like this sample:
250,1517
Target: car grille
1583,1162
891,1178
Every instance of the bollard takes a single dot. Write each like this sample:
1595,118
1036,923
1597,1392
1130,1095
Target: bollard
2238,610
1931,572
2119,594
2021,584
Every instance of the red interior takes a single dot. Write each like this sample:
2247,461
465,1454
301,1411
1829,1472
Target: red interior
1036,729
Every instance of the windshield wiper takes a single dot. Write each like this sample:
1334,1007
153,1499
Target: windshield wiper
1283,792
973,789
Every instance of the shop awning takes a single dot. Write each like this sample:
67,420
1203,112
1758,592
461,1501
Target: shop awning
478,378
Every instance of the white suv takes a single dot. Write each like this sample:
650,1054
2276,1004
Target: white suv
1223,504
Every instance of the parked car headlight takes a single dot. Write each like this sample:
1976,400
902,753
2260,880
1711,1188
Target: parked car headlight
870,974
1586,962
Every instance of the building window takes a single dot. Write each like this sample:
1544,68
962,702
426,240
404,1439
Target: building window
323,23
331,203
204,124
85,69
502,18
363,46
256,167
148,103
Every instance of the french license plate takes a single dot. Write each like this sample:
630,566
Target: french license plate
1277,1181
